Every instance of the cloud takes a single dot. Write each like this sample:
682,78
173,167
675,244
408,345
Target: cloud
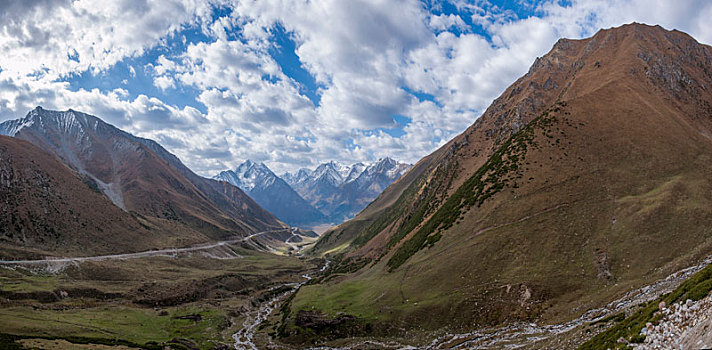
370,61
445,22
61,37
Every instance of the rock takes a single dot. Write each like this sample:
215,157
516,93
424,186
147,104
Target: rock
688,302
661,306
317,320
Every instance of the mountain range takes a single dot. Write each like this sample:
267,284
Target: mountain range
341,191
586,178
139,177
331,193
273,194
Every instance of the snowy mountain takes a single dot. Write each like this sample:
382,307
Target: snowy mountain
249,176
355,172
273,194
300,176
341,191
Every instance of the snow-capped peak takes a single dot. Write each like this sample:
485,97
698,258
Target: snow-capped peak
302,175
329,172
67,121
356,171
248,175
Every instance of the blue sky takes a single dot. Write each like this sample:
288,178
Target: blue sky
293,83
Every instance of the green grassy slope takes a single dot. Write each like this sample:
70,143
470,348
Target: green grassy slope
152,302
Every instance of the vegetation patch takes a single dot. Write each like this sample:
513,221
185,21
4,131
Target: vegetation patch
131,327
9,341
489,179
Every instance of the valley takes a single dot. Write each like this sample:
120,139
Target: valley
195,299
102,301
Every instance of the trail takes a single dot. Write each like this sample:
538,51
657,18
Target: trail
144,254
244,337
292,245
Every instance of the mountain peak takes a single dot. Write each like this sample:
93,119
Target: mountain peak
272,192
329,173
387,160
249,164
248,175
565,163
123,167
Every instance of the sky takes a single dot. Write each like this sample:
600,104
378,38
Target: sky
293,83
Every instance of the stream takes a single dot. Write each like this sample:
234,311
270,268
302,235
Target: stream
244,337
511,336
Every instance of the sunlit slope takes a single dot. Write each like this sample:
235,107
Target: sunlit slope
587,177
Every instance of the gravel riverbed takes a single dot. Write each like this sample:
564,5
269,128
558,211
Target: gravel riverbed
685,325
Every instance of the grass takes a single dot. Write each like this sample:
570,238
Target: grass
218,289
695,288
116,323
353,298
13,281
12,342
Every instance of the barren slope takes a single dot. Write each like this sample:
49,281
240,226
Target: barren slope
139,175
46,207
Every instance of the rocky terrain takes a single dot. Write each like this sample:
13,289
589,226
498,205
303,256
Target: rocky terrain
684,325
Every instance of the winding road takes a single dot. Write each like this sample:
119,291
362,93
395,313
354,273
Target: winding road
144,254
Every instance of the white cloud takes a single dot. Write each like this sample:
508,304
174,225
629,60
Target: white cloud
61,37
365,55
445,22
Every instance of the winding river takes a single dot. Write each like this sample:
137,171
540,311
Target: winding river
244,338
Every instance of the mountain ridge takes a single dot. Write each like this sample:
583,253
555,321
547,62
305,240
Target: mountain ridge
272,193
139,175
341,191
550,204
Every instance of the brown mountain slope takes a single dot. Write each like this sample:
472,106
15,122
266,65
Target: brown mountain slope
589,176
139,175
46,207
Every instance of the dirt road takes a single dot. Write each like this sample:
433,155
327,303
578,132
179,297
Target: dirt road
148,253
